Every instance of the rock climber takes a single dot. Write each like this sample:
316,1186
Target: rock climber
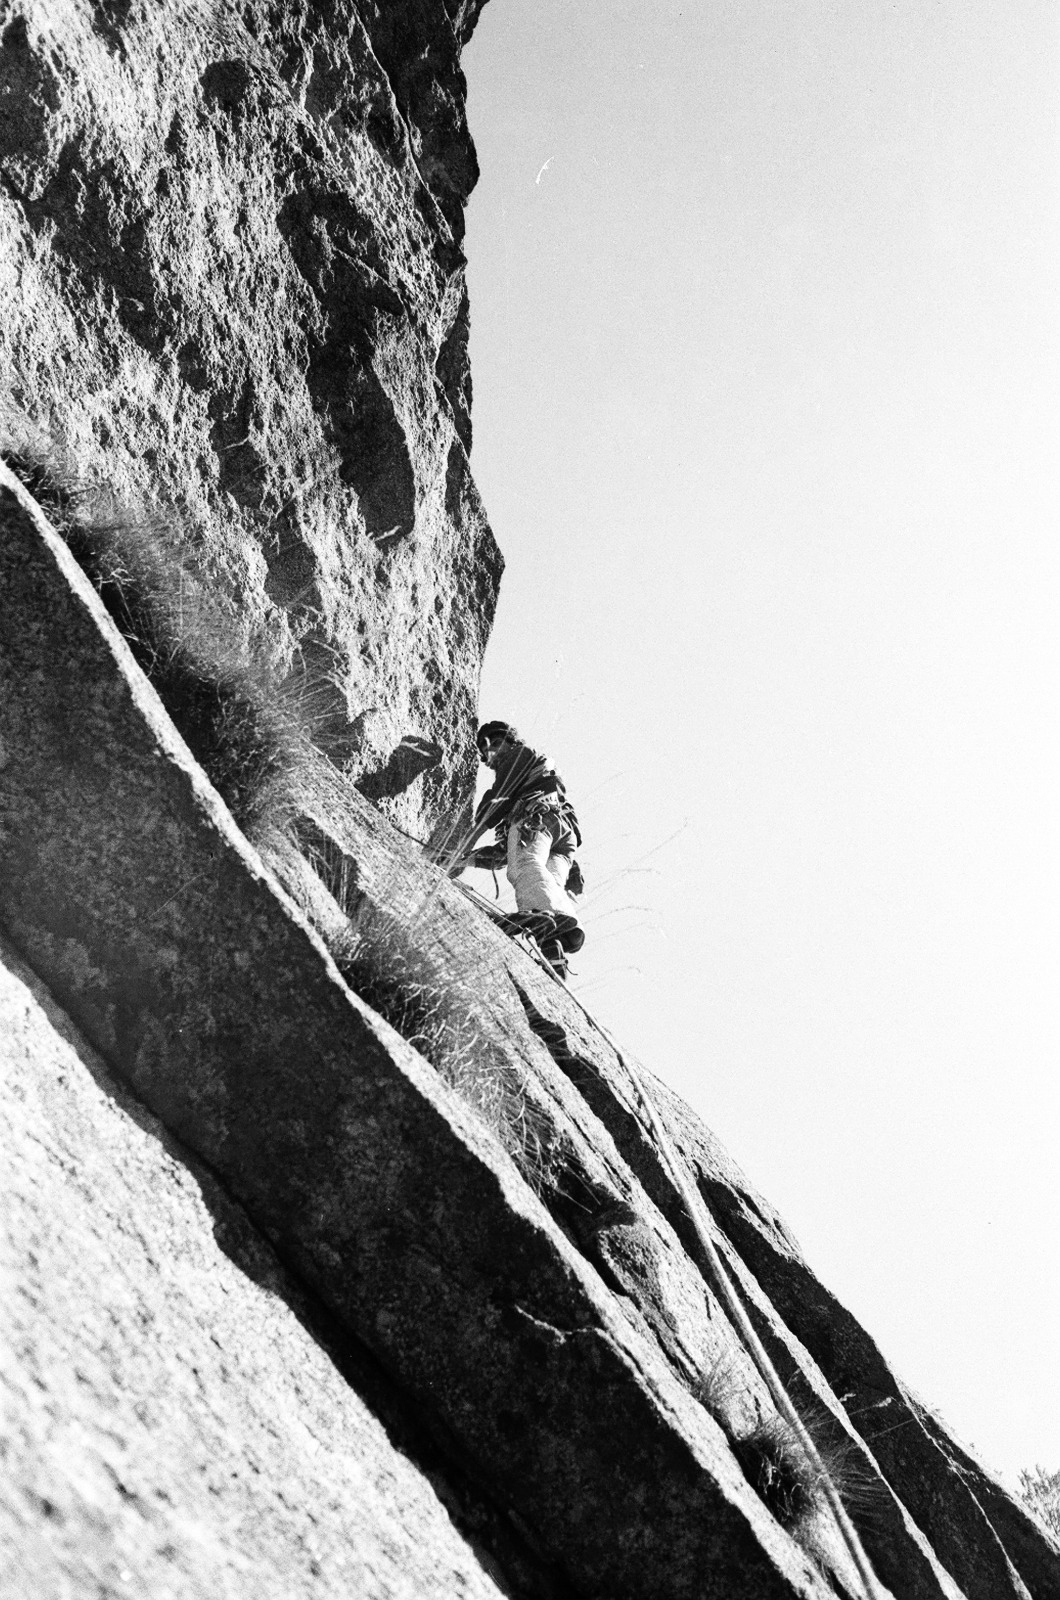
537,834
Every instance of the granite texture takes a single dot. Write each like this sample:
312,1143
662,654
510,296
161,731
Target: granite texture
338,1257
232,297
130,892
486,1216
172,1427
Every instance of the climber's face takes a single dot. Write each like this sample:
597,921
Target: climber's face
489,751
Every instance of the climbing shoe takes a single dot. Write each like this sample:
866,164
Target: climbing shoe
556,957
538,924
569,932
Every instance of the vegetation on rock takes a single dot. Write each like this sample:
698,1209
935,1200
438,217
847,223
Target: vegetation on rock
252,733
248,725
232,290
1040,1490
772,1457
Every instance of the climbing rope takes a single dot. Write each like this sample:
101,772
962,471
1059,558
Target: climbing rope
696,1210
694,1206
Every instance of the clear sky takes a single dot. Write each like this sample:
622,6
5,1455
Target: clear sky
766,358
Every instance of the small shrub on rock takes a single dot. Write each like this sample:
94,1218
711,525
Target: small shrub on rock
1040,1491
772,1456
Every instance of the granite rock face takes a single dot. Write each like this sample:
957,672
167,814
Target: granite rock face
486,1230
338,1256
232,293
172,1424
204,987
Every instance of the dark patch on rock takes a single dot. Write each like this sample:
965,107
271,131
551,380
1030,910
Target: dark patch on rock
326,234
412,757
241,462
292,572
29,96
109,18
228,85
422,63
454,373
100,235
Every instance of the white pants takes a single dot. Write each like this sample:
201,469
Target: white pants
536,875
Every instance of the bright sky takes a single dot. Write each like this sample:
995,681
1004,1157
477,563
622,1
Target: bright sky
766,354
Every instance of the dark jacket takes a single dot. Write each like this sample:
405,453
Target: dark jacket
522,775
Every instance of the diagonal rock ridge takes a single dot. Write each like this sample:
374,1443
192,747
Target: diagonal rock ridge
546,1320
206,990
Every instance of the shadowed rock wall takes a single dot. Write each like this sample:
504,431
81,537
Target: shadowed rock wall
231,288
171,1424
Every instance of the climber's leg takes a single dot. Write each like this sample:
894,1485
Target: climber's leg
535,871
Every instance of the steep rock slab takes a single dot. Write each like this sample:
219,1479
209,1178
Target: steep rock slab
936,1522
587,1147
170,1427
584,1182
128,889
231,288
975,1528
986,1539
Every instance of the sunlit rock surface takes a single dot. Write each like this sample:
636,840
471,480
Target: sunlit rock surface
231,287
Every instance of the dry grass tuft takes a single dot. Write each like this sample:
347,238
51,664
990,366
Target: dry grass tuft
772,1457
1040,1492
721,1390
246,727
47,481
776,1466
439,1015
251,730
219,689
